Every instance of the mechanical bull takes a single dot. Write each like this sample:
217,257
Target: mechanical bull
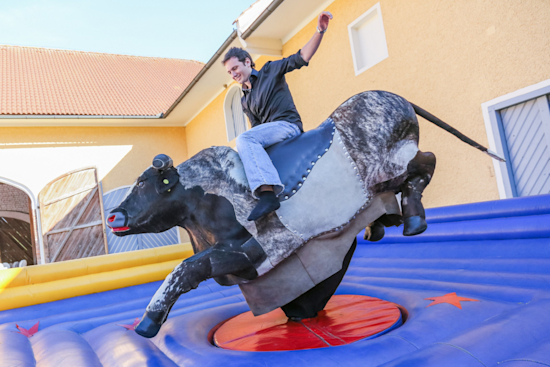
339,178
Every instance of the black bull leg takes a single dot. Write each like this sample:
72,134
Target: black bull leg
419,174
420,171
219,260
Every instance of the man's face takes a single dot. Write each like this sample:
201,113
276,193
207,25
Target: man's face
240,72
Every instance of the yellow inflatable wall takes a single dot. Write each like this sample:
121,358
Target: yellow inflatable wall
32,285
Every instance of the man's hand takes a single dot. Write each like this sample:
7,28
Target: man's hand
322,21
310,48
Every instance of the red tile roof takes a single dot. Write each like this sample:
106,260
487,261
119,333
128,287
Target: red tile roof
60,82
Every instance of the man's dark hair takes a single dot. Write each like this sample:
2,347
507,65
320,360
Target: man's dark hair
240,54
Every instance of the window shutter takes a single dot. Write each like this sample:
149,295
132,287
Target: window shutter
526,128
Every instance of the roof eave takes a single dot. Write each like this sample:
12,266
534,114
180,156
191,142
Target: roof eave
203,71
160,115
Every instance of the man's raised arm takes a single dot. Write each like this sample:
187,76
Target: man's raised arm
311,47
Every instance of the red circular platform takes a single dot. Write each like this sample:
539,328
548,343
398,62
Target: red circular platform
344,320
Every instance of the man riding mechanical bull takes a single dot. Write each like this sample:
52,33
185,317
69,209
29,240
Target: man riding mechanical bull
280,218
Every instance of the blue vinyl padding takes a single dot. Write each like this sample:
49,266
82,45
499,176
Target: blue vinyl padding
15,350
494,252
63,347
516,207
525,227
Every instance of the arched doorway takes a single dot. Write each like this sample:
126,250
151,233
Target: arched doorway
17,235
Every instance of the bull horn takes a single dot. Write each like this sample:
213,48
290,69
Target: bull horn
162,162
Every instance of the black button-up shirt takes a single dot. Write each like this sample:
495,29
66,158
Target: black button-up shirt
269,99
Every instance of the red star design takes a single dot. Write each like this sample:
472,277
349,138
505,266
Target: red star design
450,298
130,327
28,333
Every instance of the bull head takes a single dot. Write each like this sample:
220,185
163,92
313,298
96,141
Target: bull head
145,207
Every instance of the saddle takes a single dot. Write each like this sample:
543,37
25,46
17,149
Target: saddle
294,158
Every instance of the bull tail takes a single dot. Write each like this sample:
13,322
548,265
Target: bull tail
428,116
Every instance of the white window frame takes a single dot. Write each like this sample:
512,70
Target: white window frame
495,134
351,30
228,115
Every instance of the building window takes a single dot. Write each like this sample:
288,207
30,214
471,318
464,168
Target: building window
235,120
518,128
368,40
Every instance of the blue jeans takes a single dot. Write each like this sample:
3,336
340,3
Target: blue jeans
257,165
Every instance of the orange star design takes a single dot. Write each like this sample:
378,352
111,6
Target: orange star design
450,298
27,332
130,327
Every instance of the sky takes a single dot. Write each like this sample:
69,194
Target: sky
184,29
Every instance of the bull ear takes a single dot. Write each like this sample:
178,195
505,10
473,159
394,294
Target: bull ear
167,180
162,162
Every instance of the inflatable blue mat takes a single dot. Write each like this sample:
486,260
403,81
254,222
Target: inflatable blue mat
496,255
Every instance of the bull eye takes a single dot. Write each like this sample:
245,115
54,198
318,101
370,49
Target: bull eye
140,184
166,182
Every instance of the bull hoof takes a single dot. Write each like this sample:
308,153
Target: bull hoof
151,322
414,225
377,232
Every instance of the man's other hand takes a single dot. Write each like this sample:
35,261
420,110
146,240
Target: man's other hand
322,22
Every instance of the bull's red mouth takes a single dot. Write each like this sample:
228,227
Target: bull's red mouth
120,229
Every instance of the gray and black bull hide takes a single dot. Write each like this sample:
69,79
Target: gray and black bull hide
370,153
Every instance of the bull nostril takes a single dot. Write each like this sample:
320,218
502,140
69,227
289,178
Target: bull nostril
111,218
